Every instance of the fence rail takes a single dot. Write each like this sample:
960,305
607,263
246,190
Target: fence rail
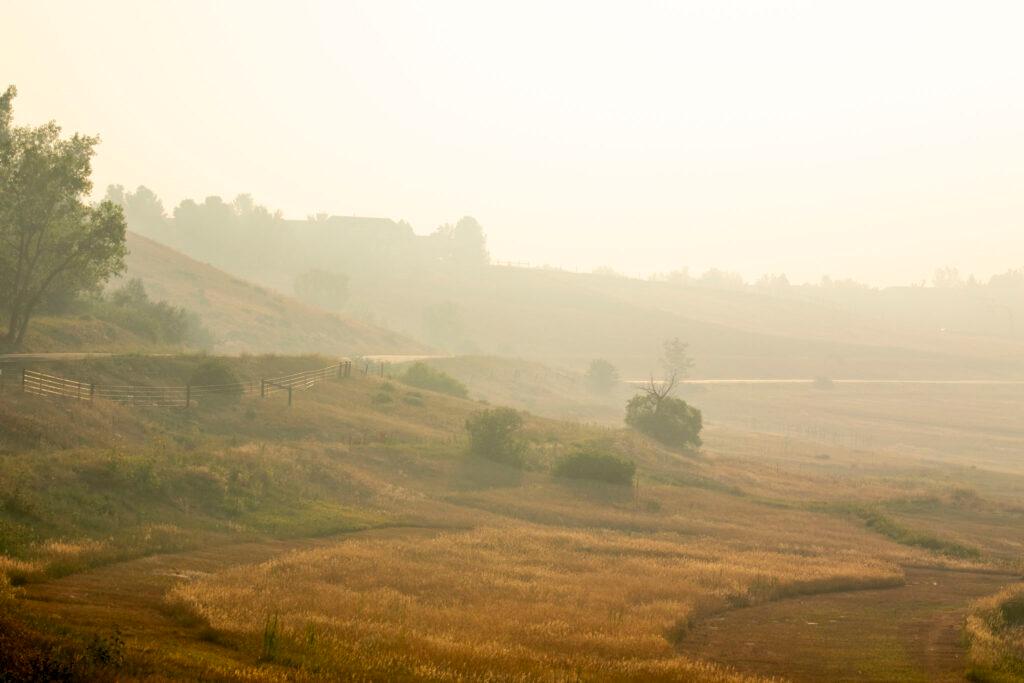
53,386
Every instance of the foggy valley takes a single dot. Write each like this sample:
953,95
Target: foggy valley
482,342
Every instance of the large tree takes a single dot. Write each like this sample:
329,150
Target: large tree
52,244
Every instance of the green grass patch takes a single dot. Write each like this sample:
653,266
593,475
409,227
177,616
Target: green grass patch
885,525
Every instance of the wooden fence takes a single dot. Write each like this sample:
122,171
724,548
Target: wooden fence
53,386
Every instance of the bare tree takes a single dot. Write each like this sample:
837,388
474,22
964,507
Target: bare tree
659,391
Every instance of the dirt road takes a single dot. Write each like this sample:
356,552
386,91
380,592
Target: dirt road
910,633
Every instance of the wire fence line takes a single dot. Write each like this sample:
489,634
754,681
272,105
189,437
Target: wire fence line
180,396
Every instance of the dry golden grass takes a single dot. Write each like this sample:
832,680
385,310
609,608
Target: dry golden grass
19,571
543,579
246,317
908,424
517,601
995,632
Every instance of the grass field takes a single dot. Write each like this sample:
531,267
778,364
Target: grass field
487,572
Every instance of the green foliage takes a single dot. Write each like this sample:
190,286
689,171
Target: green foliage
601,376
215,372
493,435
31,652
1013,611
271,639
131,308
422,376
238,236
143,210
669,420
107,651
888,527
55,244
596,463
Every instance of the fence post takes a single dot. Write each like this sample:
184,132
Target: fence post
289,397
263,388
348,368
339,370
188,396
92,391
23,380
382,368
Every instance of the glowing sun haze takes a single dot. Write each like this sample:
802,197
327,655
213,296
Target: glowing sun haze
869,140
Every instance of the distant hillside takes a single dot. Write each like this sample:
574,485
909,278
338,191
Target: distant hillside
443,289
568,319
532,386
248,318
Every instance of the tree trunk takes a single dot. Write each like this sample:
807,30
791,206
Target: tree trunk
12,331
22,329
17,326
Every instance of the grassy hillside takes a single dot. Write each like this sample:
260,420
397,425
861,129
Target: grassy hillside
529,385
71,333
247,318
595,579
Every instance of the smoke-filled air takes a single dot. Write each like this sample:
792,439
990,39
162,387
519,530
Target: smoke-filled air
540,341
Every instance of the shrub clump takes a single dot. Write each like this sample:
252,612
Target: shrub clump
668,419
131,308
494,435
422,376
596,464
214,372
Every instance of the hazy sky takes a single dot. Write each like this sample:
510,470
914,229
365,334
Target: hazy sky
872,140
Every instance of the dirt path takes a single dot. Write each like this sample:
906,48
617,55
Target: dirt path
128,596
911,633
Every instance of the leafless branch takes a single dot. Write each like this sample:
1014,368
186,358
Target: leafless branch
660,390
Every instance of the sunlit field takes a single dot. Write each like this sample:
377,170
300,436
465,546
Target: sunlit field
514,601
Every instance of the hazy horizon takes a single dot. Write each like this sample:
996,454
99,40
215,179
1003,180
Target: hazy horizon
791,138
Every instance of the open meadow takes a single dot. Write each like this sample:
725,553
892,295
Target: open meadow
473,342
481,571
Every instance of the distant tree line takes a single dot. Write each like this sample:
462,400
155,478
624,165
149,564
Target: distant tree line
319,257
944,278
